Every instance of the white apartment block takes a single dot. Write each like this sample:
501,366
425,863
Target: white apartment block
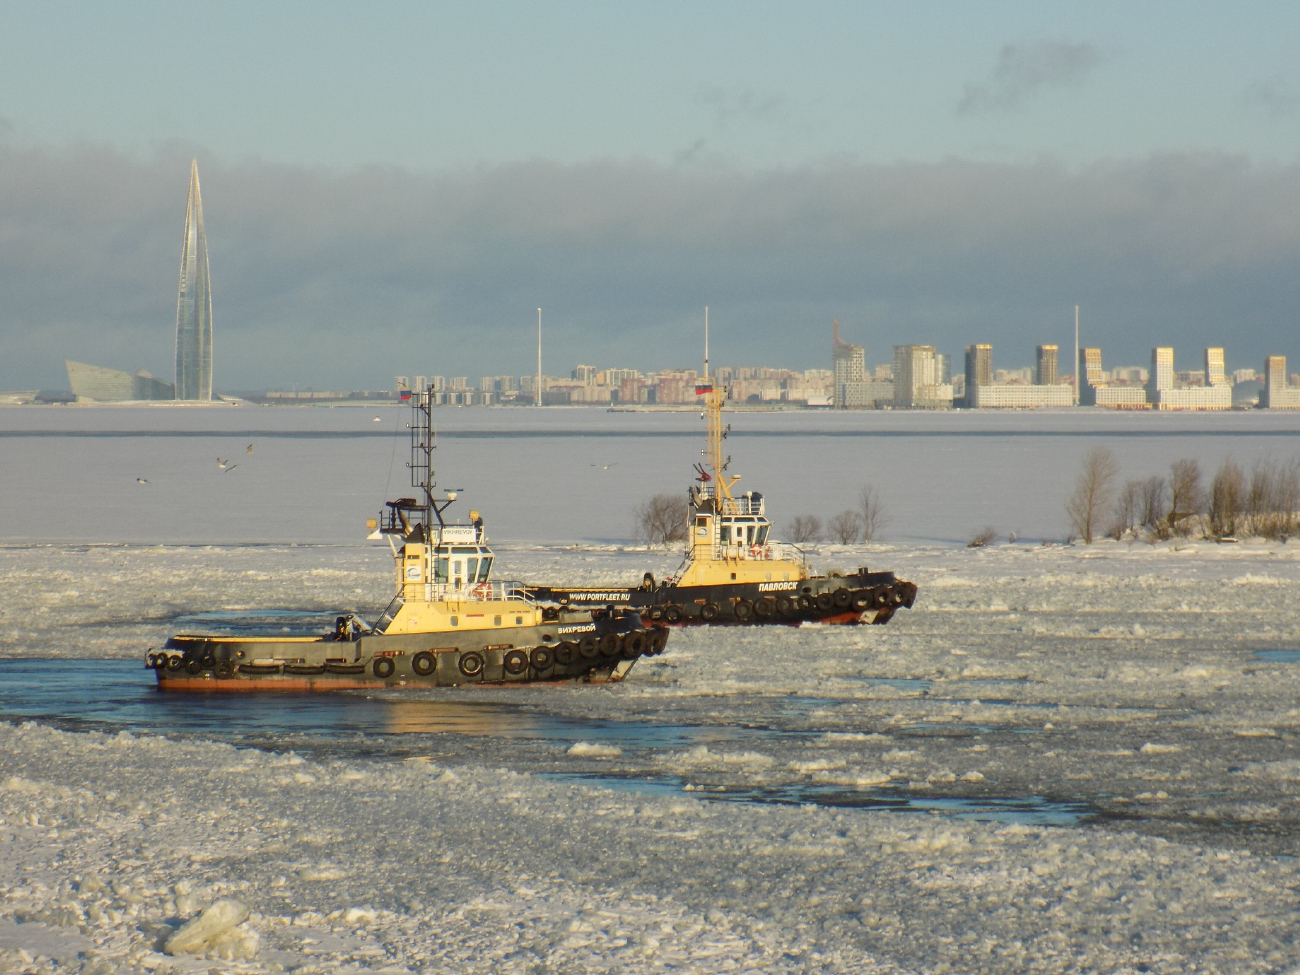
1020,396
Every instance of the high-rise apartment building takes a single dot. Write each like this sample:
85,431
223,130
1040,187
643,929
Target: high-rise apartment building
849,365
1162,372
1045,373
1090,372
194,303
979,367
1163,393
915,377
1215,374
1277,394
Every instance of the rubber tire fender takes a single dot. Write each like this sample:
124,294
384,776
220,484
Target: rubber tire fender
765,607
424,663
842,597
588,646
862,600
672,613
658,640
192,666
784,606
634,644
161,662
542,658
565,653
882,597
656,613
470,663
825,601
710,612
609,645
383,667
515,662
224,670
744,610
807,603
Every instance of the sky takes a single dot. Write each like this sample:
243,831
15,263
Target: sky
396,188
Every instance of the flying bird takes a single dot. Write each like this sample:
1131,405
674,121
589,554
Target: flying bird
377,419
248,449
142,480
225,465
605,467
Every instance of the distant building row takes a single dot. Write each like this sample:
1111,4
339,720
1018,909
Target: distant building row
921,380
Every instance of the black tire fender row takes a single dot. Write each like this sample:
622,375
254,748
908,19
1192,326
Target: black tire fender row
470,663
383,667
424,663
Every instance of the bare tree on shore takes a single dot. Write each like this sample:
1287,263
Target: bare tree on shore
845,528
1184,495
1128,505
1154,506
661,519
1226,500
804,528
872,513
1092,492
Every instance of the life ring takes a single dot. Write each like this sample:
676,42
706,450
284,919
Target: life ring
710,612
564,653
825,601
542,658
383,667
470,663
634,644
515,661
587,646
765,607
783,605
424,663
743,610
609,645
842,597
672,613
224,670
756,551
482,591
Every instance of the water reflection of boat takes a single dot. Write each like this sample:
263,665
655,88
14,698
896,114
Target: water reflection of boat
406,717
449,622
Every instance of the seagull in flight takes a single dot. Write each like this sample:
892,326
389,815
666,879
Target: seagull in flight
248,449
377,420
225,465
142,480
605,467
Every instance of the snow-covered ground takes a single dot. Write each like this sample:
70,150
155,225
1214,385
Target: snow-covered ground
1146,693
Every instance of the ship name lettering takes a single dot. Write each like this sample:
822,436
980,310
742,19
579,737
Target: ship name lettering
578,628
776,586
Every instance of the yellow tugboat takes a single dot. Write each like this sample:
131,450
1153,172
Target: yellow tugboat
449,622
734,572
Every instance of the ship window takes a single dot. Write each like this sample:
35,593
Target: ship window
471,570
484,568
762,534
455,621
464,550
440,570
749,534
519,621
726,534
496,620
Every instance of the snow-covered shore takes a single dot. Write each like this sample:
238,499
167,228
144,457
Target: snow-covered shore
1151,685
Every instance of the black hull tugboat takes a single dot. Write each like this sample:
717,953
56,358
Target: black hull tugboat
450,622
733,571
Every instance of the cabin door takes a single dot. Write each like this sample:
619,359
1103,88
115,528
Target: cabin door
458,572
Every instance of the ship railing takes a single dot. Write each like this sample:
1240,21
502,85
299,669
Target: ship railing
768,552
481,591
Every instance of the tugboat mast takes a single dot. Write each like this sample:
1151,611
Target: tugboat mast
714,396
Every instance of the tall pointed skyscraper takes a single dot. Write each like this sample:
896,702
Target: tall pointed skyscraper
194,304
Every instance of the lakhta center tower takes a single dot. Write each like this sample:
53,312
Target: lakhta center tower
194,304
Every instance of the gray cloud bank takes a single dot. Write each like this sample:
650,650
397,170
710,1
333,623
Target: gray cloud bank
344,278
1024,69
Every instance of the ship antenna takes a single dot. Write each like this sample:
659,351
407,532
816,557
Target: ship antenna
706,341
714,394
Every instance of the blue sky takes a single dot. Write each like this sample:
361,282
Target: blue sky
1155,147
